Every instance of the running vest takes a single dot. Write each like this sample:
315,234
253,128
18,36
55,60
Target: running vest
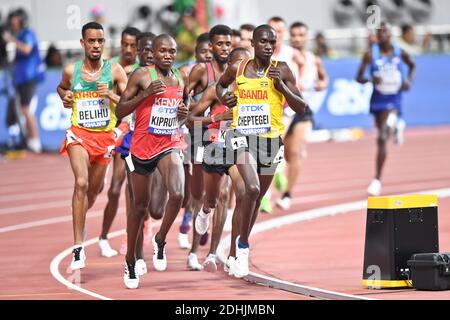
218,130
156,126
389,69
308,75
89,111
211,80
133,67
259,109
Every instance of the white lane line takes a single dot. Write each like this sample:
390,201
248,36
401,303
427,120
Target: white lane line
304,216
54,265
258,228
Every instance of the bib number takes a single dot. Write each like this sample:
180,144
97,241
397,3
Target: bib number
239,143
253,119
93,113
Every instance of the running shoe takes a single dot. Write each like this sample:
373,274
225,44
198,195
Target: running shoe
78,258
266,205
374,188
105,249
240,265
130,276
210,264
183,241
185,226
159,255
284,203
193,264
141,267
280,181
228,266
202,222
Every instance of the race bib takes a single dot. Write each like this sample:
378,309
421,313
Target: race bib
391,79
279,156
253,119
224,127
163,119
93,113
238,143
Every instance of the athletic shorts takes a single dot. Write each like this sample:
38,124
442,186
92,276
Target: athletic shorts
215,160
147,167
268,152
307,116
99,145
26,92
120,132
196,142
124,147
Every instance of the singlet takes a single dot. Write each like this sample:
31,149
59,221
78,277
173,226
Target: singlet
211,79
259,109
218,130
89,111
389,69
308,75
156,126
133,67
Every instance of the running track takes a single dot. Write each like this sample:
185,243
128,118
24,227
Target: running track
325,252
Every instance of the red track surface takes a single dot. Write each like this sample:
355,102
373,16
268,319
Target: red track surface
326,253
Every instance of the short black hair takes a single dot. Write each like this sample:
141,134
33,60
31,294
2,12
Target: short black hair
298,24
277,19
406,28
247,27
204,37
145,35
90,25
263,27
235,33
134,32
220,30
235,51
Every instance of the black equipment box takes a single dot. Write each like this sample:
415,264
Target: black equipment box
430,271
396,228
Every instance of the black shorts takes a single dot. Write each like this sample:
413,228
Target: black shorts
307,116
215,160
268,152
26,92
147,167
196,141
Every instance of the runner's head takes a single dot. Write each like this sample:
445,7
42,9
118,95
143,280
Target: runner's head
164,51
279,25
128,44
93,40
220,42
145,53
384,33
299,35
238,55
235,38
264,41
246,36
203,52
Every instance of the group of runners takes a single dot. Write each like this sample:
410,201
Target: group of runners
195,137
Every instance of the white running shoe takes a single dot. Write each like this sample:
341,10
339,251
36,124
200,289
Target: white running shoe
400,132
159,255
34,144
130,276
202,222
141,267
79,258
228,266
375,188
105,249
210,264
193,264
240,265
183,241
284,203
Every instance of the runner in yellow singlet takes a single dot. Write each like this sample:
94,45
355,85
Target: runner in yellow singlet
255,144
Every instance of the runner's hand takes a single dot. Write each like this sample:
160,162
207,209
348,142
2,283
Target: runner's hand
155,88
275,75
68,99
182,111
102,89
406,85
229,99
225,116
376,80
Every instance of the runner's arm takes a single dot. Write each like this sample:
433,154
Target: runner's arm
411,70
195,83
362,68
225,97
130,99
208,99
64,86
323,82
120,82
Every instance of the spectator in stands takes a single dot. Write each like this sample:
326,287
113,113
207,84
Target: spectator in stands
53,58
247,36
29,69
408,41
187,36
321,48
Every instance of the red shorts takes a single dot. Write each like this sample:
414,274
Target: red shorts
99,145
120,132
